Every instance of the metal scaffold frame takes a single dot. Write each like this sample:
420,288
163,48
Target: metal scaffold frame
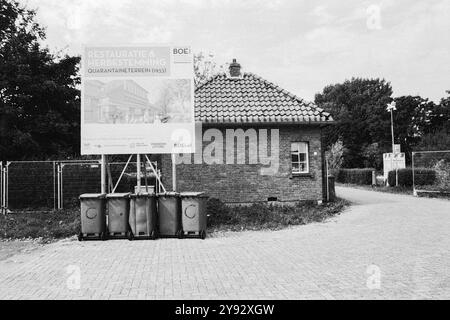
159,185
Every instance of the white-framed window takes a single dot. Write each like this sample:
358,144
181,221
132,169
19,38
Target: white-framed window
300,157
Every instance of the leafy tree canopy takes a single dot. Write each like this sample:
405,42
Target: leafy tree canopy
39,100
359,109
363,123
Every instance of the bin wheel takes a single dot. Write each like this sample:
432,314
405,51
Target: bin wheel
203,234
180,234
80,237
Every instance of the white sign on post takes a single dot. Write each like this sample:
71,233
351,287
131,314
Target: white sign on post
393,162
137,99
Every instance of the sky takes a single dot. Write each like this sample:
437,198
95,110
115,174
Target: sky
300,45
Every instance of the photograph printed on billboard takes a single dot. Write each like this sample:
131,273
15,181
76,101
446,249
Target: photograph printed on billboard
137,99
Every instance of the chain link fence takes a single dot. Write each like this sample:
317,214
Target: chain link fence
53,185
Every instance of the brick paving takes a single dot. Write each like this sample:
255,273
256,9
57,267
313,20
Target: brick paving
405,239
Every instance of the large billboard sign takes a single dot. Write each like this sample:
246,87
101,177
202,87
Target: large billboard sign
137,99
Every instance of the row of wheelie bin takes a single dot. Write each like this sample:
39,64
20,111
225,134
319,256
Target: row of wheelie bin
142,216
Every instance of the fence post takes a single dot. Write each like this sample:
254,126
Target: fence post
59,168
57,185
1,187
62,187
6,182
327,181
412,165
54,185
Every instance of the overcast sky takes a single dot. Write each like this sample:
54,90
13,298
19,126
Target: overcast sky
300,45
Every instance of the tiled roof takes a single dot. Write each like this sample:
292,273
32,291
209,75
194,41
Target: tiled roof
250,98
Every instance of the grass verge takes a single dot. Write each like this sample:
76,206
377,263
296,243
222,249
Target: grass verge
49,226
40,225
272,217
397,190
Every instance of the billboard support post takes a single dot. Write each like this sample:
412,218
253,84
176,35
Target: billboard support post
103,174
174,173
138,172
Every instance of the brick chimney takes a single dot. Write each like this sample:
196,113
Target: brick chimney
235,69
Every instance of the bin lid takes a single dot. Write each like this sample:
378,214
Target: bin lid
142,195
92,196
193,195
168,194
118,195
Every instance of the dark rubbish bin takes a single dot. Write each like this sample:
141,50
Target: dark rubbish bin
93,221
169,214
143,216
118,208
193,214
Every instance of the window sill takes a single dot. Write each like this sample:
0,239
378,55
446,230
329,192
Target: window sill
301,175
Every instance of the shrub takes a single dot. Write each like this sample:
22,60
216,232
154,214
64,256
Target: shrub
442,168
219,213
422,176
259,216
355,176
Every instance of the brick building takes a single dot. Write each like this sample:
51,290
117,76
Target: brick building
257,143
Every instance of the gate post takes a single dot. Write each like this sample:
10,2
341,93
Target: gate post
54,185
1,187
59,180
6,187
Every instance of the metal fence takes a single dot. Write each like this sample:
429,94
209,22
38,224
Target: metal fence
53,185
431,172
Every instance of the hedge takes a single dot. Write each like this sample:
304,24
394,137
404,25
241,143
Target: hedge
355,176
422,176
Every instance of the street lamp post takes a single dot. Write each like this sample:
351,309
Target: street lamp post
391,108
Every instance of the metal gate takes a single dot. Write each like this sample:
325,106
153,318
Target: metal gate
40,185
53,185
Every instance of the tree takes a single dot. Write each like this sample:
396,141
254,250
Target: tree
204,67
359,108
335,155
39,101
174,100
440,117
438,140
412,121
373,157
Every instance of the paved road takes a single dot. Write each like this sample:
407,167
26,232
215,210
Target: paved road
384,247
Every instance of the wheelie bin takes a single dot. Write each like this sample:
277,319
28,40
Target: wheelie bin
93,221
143,216
118,209
169,214
193,214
